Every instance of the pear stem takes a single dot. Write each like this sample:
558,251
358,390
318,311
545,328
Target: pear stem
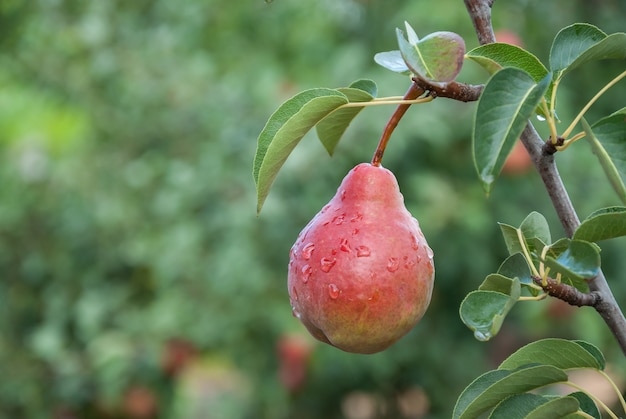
413,93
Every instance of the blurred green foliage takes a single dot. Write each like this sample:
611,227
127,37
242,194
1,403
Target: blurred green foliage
129,243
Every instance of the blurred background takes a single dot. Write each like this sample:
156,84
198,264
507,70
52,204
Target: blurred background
136,280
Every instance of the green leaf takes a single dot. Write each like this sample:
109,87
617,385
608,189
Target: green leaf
332,127
579,262
518,406
285,128
511,239
560,353
506,103
438,56
533,406
607,138
496,56
586,404
581,43
498,283
515,266
559,246
593,350
534,231
604,224
535,225
392,60
494,386
365,85
483,312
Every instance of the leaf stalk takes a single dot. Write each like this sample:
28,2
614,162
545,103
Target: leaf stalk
412,94
610,84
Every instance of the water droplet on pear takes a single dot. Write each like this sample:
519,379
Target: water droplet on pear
367,249
333,291
327,264
307,250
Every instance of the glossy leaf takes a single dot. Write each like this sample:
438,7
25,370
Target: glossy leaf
496,56
332,127
534,231
491,388
392,60
593,350
438,56
586,404
560,353
484,311
365,85
511,238
504,107
515,266
604,224
559,246
498,283
579,262
581,43
284,130
535,225
607,138
518,406
534,406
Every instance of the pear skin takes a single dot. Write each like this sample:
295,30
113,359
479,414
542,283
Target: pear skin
361,272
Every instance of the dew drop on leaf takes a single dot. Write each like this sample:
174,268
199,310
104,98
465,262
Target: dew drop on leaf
482,336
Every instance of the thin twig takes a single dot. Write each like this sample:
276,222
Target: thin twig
452,90
567,293
413,93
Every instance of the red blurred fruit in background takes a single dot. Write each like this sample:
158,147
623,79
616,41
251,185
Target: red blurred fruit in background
294,352
177,354
518,162
508,37
140,403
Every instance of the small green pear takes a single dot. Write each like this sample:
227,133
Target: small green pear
361,273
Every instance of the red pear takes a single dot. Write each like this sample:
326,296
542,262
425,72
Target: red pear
361,273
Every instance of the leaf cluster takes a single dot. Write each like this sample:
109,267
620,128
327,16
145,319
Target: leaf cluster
521,86
504,392
534,260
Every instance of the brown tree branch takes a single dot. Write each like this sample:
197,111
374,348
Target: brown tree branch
543,159
452,90
480,13
568,293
